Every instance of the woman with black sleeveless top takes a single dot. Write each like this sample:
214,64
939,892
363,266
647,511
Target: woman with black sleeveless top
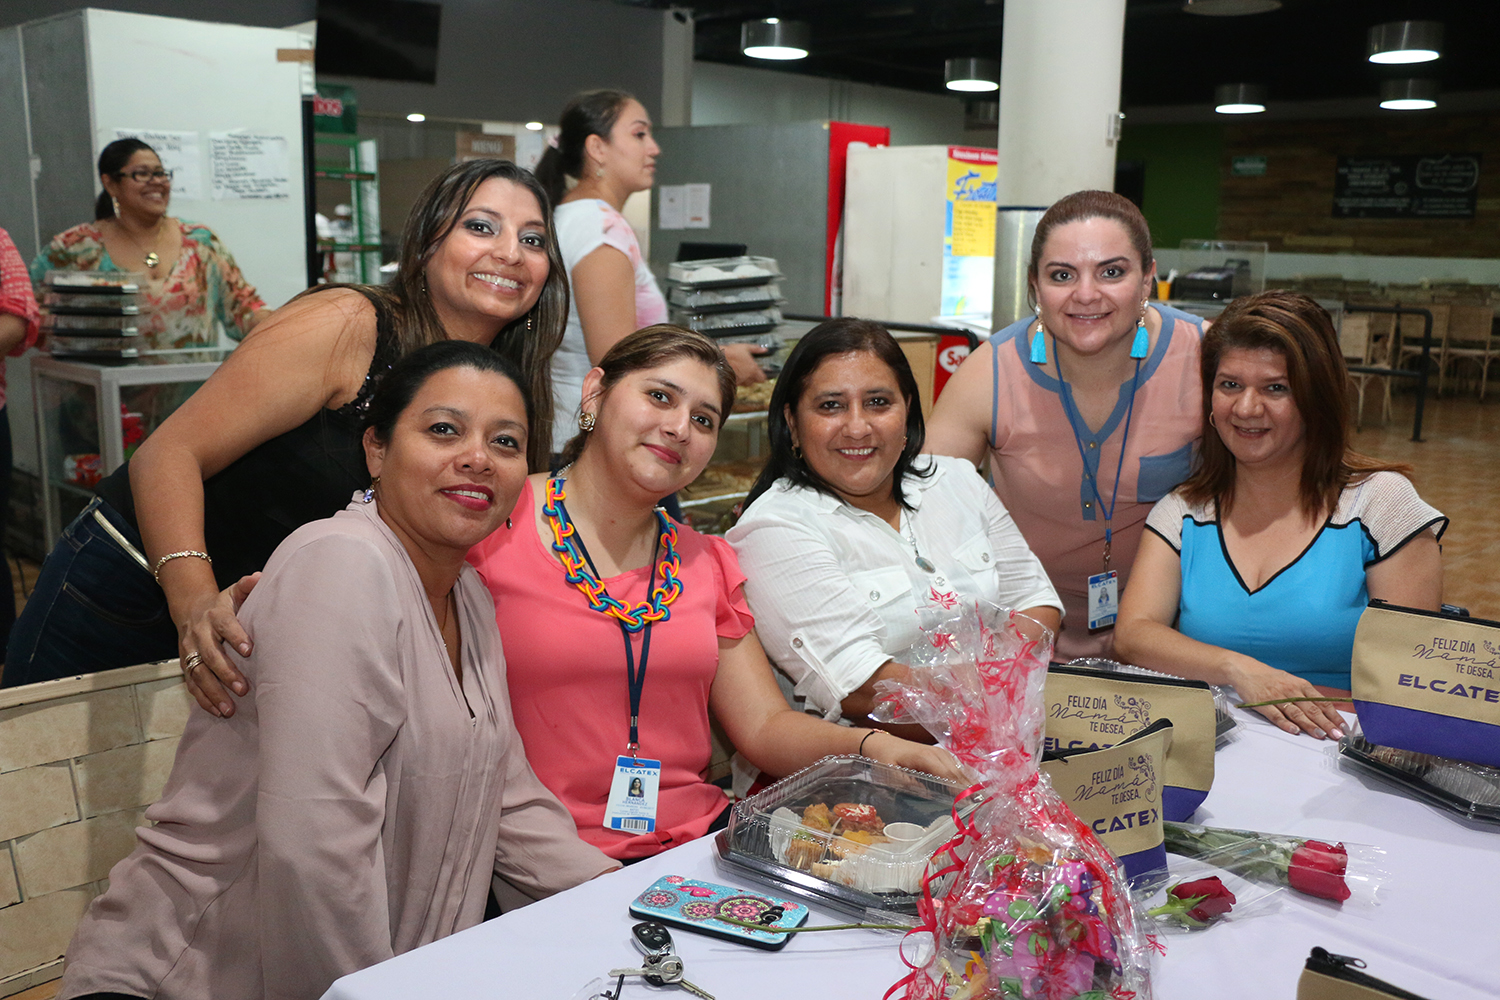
272,440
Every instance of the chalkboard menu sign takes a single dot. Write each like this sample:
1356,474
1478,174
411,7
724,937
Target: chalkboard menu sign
1439,186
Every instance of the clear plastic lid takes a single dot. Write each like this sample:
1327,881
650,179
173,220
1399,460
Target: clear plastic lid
93,347
85,304
99,325
848,832
1471,790
723,272
96,282
717,323
725,299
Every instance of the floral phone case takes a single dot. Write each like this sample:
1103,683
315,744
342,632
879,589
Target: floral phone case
698,905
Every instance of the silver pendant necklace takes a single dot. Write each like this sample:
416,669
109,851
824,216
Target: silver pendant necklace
923,563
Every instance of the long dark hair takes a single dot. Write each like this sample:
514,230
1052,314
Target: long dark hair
112,160
1301,331
593,112
407,376
836,336
651,347
530,340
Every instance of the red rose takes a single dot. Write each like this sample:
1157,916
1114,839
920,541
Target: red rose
1318,870
1213,898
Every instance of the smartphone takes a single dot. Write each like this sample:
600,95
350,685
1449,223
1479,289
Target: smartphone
697,905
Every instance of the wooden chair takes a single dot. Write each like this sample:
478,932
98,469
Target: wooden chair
1410,342
1366,340
1471,337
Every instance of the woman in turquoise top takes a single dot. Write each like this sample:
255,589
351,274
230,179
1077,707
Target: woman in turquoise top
1268,554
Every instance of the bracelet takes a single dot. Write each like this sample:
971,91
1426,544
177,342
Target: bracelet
861,750
156,570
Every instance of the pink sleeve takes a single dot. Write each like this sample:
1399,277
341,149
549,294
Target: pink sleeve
618,234
16,297
733,619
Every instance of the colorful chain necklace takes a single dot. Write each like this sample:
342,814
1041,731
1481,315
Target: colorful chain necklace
580,573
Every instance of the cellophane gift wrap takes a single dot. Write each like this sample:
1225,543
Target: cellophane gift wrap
1023,902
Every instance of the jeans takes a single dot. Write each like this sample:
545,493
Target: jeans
94,607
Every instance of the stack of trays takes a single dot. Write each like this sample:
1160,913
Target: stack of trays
732,299
92,315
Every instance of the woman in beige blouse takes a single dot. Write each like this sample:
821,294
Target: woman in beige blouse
359,802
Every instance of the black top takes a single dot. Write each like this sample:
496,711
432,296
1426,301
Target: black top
304,475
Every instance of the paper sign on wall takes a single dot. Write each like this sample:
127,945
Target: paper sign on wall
671,206
249,166
697,197
969,239
179,153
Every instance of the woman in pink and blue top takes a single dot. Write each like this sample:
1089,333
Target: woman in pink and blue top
605,144
1089,412
1255,571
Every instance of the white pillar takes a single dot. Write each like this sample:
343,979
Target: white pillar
1059,98
1059,122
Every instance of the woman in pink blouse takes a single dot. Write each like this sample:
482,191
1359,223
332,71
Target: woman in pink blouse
192,280
624,631
372,783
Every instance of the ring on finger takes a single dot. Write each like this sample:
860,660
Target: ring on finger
193,661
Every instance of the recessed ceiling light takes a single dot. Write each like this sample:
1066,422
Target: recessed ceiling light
1239,99
971,76
416,116
1408,95
1230,8
1398,42
535,126
773,38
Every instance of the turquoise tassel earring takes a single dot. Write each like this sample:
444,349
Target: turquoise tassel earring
1142,342
1039,347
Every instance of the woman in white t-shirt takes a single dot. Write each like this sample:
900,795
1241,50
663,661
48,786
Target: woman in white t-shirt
605,144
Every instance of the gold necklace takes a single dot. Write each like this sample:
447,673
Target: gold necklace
152,258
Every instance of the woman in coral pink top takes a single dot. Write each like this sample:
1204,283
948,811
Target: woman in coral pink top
1088,414
623,630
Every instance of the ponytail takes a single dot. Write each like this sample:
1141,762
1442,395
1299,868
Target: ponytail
593,112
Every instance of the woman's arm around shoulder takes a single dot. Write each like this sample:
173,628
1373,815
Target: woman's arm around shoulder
960,421
313,353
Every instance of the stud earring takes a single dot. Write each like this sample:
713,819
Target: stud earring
115,203
586,422
370,490
507,524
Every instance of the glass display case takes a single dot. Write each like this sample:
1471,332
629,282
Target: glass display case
91,417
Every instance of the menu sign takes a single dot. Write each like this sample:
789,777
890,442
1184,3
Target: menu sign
1437,186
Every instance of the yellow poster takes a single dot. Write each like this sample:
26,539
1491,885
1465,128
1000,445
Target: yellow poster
969,240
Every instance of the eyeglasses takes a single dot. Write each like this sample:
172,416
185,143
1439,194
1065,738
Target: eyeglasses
143,175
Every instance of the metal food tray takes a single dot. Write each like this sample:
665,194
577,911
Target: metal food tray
898,794
707,300
1471,790
719,272
95,282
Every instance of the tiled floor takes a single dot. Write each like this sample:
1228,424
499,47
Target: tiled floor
1457,465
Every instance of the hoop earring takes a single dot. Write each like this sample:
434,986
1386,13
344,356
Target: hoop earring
1211,421
528,322
797,452
370,490
586,422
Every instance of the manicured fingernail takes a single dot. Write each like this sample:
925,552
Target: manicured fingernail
244,648
224,709
1337,734
239,687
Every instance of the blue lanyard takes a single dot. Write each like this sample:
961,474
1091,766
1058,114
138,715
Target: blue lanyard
634,679
1074,419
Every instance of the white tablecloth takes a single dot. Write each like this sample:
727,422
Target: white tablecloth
1436,931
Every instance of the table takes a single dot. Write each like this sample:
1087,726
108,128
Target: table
1434,933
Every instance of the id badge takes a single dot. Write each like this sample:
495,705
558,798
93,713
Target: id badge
632,796
1104,599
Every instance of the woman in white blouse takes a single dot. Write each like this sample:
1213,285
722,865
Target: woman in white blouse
850,530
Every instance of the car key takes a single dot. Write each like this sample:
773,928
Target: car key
652,938
670,974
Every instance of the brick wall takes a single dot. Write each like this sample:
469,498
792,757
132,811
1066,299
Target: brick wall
80,759
1291,206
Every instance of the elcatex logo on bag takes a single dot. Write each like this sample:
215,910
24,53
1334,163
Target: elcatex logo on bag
1428,682
1092,709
